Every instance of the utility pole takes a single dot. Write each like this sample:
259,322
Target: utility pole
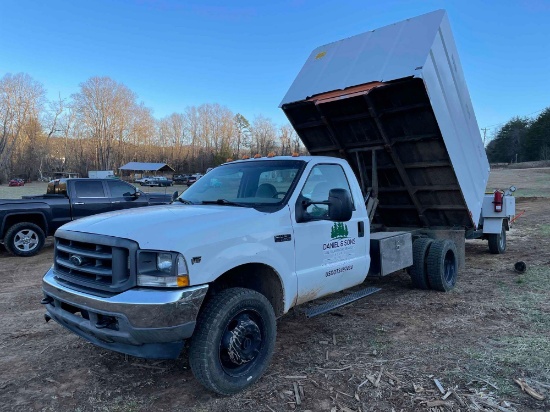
484,135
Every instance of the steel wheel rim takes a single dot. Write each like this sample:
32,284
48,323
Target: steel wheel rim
241,343
26,240
449,267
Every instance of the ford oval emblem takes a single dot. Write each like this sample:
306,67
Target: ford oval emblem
76,260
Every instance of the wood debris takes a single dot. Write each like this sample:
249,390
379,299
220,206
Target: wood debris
432,404
439,386
528,390
297,394
459,399
377,383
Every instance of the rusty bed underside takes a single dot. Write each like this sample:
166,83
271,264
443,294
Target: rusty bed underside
417,185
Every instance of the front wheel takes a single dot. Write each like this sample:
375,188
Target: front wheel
497,242
233,341
24,239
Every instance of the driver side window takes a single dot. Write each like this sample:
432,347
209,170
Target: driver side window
320,181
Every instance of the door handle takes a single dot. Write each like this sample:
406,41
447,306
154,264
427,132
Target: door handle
116,201
78,203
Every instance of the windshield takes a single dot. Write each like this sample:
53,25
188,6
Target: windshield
251,183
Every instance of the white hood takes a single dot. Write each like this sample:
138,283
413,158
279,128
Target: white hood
157,227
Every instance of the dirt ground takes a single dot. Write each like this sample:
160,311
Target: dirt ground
381,353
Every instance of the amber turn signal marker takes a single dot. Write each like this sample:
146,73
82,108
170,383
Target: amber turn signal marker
257,156
183,280
245,157
295,154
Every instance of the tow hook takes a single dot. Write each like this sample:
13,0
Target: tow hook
47,300
105,322
47,317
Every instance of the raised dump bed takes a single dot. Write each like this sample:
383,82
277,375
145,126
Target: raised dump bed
395,98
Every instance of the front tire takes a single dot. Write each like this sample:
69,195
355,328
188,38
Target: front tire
24,239
497,242
233,341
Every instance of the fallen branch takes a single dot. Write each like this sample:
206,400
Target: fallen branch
336,370
527,389
297,394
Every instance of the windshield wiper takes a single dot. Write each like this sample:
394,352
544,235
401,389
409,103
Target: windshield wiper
224,202
185,202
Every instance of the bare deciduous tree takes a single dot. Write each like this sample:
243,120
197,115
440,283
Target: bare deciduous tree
21,103
105,109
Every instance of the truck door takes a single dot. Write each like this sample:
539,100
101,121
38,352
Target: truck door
88,197
122,195
330,256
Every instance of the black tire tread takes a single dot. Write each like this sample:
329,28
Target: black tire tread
418,271
201,346
10,234
494,242
436,255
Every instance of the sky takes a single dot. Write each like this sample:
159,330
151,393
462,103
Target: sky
245,54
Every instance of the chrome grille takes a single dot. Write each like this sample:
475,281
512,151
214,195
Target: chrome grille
94,261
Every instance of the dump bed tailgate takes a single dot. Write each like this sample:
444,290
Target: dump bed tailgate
431,165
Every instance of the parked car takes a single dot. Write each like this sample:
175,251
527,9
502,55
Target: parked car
158,181
16,182
144,180
180,179
25,223
192,179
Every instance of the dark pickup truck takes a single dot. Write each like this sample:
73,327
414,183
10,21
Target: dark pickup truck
25,223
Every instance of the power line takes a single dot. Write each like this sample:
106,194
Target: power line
500,124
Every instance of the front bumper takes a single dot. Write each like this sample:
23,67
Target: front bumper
148,323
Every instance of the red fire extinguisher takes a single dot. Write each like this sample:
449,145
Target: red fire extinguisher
498,201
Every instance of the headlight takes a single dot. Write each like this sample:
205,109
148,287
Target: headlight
162,269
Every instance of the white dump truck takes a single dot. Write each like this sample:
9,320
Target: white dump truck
395,180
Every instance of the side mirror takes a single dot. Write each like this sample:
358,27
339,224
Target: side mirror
340,207
175,196
137,193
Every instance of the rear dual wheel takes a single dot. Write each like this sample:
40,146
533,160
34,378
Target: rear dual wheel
435,264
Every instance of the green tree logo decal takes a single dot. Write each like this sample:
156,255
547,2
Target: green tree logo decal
339,231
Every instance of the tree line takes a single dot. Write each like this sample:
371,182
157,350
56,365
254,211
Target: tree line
103,126
521,140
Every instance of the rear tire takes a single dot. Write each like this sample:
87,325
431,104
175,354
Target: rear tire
442,265
497,242
24,239
233,341
419,270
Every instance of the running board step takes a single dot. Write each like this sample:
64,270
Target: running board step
337,303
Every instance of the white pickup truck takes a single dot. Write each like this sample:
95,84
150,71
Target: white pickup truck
396,180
